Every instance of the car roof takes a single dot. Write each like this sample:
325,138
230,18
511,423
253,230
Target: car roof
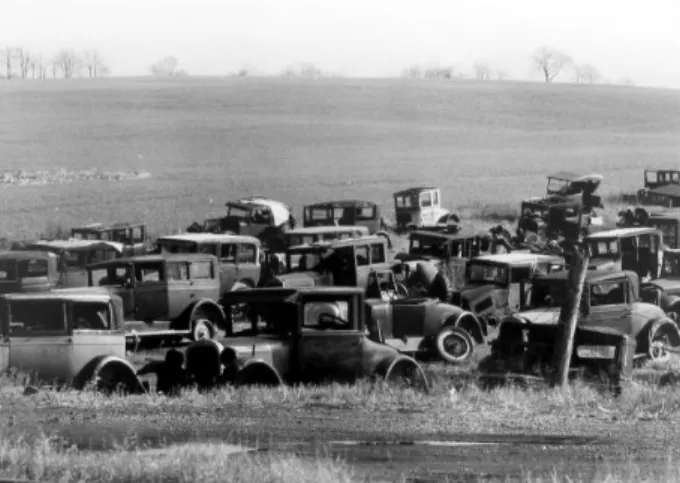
442,235
621,232
336,243
210,237
286,293
106,226
565,175
592,276
676,170
414,190
518,258
74,244
667,190
170,257
342,203
83,294
26,254
327,229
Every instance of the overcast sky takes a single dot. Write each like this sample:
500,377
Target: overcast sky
623,38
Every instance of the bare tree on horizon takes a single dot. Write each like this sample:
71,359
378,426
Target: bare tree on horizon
8,55
482,71
68,61
94,63
586,74
550,62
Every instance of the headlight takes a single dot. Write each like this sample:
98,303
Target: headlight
596,351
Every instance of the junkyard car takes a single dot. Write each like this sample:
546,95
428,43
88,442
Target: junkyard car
28,271
610,301
74,256
165,296
239,255
420,325
131,235
317,334
418,207
668,223
344,213
67,337
496,285
263,218
639,249
318,234
345,263
657,178
453,250
665,291
667,196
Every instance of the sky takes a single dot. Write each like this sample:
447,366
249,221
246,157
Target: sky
370,38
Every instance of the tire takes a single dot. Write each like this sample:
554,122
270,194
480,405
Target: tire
202,329
454,345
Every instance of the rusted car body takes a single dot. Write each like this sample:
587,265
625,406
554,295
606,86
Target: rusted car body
316,335
345,263
28,271
665,291
639,249
610,301
131,235
496,285
164,296
318,234
418,207
240,255
452,250
74,256
73,337
344,213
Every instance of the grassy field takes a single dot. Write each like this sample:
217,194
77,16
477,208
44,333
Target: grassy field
487,145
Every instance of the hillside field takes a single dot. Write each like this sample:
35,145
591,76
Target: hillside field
301,141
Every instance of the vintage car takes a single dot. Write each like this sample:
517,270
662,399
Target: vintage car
315,335
344,213
496,285
319,234
131,235
420,325
164,296
28,271
610,301
658,178
240,255
74,256
454,250
261,217
417,208
345,263
667,196
639,249
665,291
71,336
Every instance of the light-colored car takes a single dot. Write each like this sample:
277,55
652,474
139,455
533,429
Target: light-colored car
418,208
72,336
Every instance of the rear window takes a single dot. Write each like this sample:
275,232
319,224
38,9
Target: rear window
365,213
28,317
201,270
32,268
247,253
91,316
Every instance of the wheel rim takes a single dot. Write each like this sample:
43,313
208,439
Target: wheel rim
656,349
201,331
456,346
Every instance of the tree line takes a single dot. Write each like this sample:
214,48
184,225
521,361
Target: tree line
21,63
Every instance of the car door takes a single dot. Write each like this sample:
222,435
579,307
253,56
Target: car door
248,263
609,305
151,291
180,291
204,280
228,267
332,351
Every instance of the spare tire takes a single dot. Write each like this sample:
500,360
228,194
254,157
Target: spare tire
454,345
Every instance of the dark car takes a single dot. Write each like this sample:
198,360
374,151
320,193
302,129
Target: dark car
28,271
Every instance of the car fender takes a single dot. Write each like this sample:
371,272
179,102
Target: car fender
665,324
207,305
101,365
673,303
258,372
396,366
470,323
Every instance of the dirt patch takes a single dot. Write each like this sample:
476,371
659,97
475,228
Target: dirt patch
60,176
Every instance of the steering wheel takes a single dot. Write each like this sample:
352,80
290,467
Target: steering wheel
327,320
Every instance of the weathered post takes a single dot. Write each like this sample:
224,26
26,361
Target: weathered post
569,313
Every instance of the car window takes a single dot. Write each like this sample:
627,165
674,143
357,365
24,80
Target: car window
120,235
146,273
247,253
323,315
113,276
178,271
518,274
228,253
209,248
7,270
91,316
201,270
35,267
29,317
75,259
362,255
607,293
426,199
137,234
365,213
101,255
377,253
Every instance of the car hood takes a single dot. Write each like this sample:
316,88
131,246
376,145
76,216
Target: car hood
542,316
300,280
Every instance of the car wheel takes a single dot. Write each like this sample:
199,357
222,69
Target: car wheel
201,329
454,345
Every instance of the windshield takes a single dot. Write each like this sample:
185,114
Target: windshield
428,246
488,273
294,240
548,294
556,185
178,247
238,211
318,214
113,276
304,261
603,248
669,228
18,269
